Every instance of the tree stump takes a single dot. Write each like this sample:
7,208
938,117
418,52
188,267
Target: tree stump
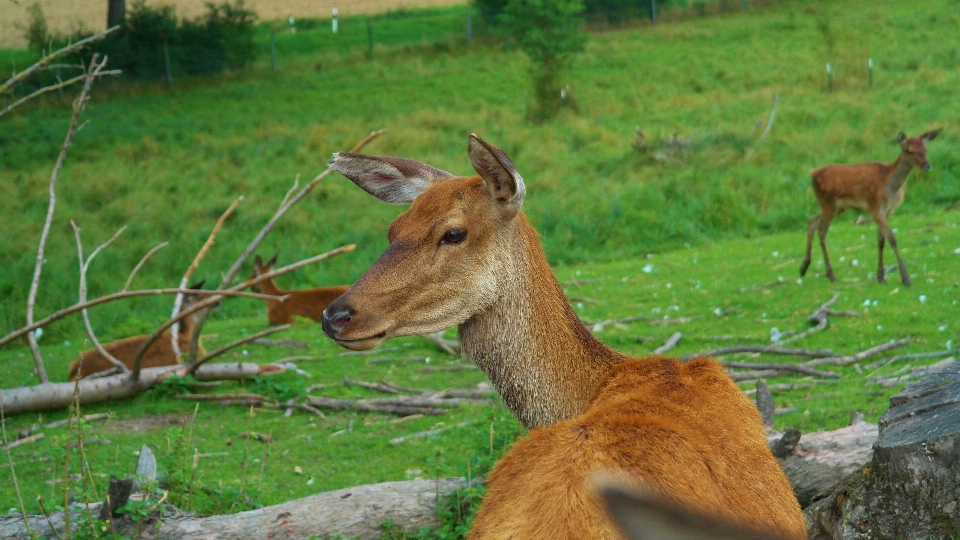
911,488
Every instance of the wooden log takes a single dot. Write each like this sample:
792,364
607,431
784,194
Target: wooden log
911,489
352,512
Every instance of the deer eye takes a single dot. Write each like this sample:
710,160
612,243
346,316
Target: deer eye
454,236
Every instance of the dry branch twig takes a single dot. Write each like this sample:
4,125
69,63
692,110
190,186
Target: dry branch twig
760,349
46,60
217,352
669,344
853,358
141,263
916,356
429,432
782,367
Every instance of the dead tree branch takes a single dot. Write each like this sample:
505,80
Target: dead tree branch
141,263
52,87
138,359
217,352
853,358
782,367
84,266
917,356
178,301
78,106
669,344
819,316
760,349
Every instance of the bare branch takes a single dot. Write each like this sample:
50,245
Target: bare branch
46,60
782,367
51,88
669,344
773,113
818,316
84,265
217,352
853,358
138,359
141,263
175,331
126,294
761,349
78,106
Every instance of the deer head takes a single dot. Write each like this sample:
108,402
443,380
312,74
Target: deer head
914,149
447,252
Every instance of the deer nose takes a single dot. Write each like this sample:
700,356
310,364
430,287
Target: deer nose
335,319
926,166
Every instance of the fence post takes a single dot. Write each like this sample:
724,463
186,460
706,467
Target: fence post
273,50
334,24
469,27
166,60
653,11
369,35
743,5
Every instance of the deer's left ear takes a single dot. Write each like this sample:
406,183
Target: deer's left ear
391,179
499,175
931,135
902,140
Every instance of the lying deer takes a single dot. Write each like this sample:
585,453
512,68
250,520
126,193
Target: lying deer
159,354
308,303
464,254
876,188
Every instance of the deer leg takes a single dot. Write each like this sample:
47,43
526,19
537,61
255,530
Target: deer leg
884,229
880,276
811,230
826,216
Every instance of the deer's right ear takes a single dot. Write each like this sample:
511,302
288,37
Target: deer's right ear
273,261
931,135
391,179
902,140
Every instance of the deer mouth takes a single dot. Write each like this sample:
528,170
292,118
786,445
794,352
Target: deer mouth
362,344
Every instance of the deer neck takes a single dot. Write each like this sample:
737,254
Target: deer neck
541,359
267,286
899,172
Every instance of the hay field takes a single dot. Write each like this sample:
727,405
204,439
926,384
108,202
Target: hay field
65,15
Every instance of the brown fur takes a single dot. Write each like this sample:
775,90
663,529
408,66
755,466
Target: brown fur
684,429
125,350
875,188
308,303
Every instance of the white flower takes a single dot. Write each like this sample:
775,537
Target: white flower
246,352
942,328
866,302
923,298
37,333
855,262
647,269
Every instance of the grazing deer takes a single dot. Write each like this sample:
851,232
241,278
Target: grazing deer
684,429
642,515
308,303
876,188
159,354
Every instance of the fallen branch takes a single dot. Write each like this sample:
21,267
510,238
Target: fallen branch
465,367
140,264
917,356
853,358
913,373
762,286
49,396
283,343
24,440
233,344
429,432
386,359
760,349
600,325
669,344
782,367
819,316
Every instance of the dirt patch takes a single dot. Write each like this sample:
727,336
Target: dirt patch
66,15
144,424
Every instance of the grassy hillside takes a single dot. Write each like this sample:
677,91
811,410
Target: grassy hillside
166,162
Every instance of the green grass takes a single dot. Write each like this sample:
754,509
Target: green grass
726,214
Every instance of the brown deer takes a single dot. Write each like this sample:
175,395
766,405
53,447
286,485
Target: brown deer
159,354
308,303
876,188
464,254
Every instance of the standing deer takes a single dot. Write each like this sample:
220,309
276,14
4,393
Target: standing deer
308,303
125,350
876,188
464,254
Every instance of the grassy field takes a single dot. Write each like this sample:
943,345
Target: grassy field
692,235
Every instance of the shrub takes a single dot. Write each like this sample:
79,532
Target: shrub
220,39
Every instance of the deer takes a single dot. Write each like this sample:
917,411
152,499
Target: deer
308,303
159,354
682,430
464,254
876,188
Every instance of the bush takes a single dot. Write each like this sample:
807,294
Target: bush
220,39
37,32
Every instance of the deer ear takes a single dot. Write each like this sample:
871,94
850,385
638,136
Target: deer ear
257,262
391,179
499,175
902,140
198,285
642,515
931,135
273,260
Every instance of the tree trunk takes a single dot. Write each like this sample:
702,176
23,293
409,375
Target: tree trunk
353,512
911,489
49,396
116,12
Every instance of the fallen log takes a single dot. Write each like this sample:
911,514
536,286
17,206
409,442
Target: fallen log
48,396
355,512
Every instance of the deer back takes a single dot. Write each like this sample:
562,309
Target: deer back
308,303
